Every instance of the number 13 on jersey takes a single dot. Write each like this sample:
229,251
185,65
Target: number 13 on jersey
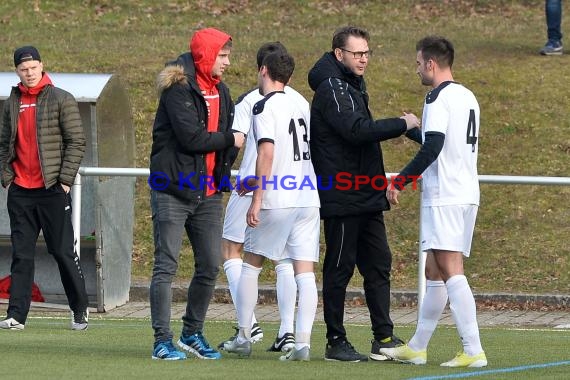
302,126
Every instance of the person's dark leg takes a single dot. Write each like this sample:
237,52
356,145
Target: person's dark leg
374,261
54,212
204,229
553,9
168,217
25,229
341,236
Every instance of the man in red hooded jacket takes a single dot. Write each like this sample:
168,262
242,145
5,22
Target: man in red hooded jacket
41,146
192,152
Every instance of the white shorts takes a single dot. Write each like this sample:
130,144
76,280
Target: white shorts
448,228
235,221
286,233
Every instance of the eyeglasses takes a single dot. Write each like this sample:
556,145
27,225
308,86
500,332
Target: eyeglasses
358,54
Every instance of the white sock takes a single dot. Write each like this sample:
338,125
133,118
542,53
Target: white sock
286,289
464,312
247,293
433,304
232,268
307,309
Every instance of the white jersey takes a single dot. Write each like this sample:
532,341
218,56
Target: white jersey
280,119
452,178
243,121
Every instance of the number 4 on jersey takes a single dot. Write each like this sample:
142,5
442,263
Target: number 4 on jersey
472,130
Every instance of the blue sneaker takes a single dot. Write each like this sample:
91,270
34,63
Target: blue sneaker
198,345
552,48
167,351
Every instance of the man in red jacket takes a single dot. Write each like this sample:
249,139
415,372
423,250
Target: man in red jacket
193,148
41,147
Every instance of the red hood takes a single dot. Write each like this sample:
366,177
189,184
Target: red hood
38,88
205,46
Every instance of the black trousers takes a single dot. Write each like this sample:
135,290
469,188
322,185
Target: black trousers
361,241
48,210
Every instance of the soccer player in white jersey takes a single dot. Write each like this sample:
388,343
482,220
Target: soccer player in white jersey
447,162
235,224
283,218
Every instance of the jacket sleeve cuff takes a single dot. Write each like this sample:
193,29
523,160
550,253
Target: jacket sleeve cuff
230,140
65,182
404,127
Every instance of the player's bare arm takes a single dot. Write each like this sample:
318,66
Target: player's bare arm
263,167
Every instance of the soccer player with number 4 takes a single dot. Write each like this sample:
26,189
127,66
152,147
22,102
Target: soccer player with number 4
447,162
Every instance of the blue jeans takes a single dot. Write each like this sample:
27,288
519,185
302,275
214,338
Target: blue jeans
202,220
553,9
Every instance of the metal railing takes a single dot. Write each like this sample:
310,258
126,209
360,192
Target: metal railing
97,172
76,193
145,172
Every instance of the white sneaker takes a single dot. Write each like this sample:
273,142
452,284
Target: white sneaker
11,324
242,349
302,355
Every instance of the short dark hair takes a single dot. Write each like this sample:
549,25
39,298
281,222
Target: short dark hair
341,35
228,45
280,66
268,48
438,49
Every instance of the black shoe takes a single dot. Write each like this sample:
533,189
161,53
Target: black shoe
256,333
283,344
80,320
342,351
390,342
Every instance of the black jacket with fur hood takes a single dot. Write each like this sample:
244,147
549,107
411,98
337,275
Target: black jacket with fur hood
180,136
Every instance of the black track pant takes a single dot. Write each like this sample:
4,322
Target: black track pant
48,210
361,241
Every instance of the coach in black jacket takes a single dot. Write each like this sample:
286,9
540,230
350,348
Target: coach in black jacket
346,153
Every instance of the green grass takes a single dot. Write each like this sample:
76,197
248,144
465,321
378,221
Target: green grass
520,242
121,349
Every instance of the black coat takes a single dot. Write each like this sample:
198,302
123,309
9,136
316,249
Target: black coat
345,139
180,136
